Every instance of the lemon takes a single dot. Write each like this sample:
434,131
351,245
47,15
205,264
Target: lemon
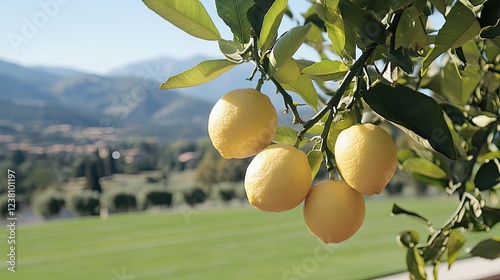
288,72
333,211
278,178
242,123
366,157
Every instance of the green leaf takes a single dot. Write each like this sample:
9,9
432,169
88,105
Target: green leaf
404,154
460,26
343,41
489,13
488,176
288,44
362,21
491,216
455,242
306,90
234,14
415,264
201,73
188,15
400,4
326,70
396,210
424,167
257,12
315,158
408,238
435,249
416,112
488,249
285,135
401,58
491,32
442,183
272,21
230,50
440,5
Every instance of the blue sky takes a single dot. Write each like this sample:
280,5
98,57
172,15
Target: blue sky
95,36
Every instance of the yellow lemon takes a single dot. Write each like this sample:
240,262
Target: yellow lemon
366,157
242,123
333,211
278,178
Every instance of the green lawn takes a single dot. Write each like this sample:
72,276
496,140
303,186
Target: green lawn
232,243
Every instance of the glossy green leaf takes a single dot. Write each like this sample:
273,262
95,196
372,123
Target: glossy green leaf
315,158
306,90
234,14
460,26
488,176
455,243
201,73
326,70
230,50
272,21
188,15
424,167
440,5
401,58
414,111
288,44
415,264
343,41
362,21
488,249
285,135
441,183
257,12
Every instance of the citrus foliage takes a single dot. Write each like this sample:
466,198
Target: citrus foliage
441,87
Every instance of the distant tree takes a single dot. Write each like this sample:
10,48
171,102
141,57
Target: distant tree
48,204
92,175
206,172
84,203
120,201
195,196
17,157
156,198
231,170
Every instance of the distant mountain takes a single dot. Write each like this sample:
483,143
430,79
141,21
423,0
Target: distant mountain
59,72
52,95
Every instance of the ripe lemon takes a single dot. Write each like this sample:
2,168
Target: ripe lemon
366,157
278,178
242,123
333,211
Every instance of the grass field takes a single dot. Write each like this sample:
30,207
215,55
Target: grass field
232,243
